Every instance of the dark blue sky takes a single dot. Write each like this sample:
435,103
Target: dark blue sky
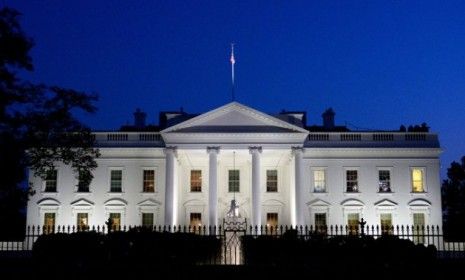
379,64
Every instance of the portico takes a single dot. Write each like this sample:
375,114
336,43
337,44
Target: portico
221,145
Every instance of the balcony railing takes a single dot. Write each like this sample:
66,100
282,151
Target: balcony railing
128,139
372,139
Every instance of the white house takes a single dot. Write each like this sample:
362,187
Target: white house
188,169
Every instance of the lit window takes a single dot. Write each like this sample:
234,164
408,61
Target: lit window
82,221
272,220
116,180
417,180
82,187
320,222
384,182
319,181
51,181
352,180
49,223
195,220
418,227
196,180
115,219
353,222
386,223
147,219
149,181
234,180
272,180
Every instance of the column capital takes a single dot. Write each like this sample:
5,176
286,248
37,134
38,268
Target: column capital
297,150
170,150
213,149
255,149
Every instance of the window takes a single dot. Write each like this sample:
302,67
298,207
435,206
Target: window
82,221
319,181
234,180
82,187
195,220
115,220
272,220
147,219
320,222
386,223
196,180
352,180
51,181
352,222
149,181
272,180
418,227
49,223
417,180
384,182
116,180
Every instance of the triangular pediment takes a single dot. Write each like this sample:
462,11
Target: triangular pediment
149,202
318,203
385,203
234,118
82,202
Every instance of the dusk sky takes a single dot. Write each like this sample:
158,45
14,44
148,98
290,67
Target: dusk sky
378,64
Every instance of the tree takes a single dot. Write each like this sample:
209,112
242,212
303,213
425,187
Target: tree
453,200
38,127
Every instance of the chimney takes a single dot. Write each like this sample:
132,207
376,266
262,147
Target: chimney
328,119
139,118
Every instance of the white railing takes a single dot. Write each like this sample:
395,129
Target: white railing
135,139
409,139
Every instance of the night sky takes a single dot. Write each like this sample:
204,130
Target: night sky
378,64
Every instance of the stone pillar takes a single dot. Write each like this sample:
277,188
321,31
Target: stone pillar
213,185
170,153
256,193
299,185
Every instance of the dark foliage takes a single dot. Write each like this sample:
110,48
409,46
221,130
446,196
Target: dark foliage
37,125
453,200
345,252
138,248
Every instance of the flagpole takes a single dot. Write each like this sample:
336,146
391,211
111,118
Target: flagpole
233,61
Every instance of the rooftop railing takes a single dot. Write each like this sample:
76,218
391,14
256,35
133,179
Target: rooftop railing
372,139
315,139
136,139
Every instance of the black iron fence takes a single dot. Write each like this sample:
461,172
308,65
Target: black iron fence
231,237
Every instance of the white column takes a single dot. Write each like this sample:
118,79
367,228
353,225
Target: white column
299,186
256,193
213,185
170,153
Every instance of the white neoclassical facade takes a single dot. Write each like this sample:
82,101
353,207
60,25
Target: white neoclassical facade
187,170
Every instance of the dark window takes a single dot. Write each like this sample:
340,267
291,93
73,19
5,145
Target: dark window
51,181
116,181
352,180
234,180
272,180
149,181
384,181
